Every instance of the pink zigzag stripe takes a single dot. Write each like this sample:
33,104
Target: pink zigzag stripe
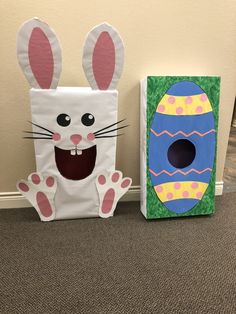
184,173
181,132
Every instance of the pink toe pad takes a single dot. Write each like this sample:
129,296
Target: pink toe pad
35,178
23,187
50,181
125,183
115,177
102,179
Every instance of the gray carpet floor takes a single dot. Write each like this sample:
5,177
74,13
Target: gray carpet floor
120,265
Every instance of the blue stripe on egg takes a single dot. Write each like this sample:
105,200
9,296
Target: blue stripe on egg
185,88
158,157
181,206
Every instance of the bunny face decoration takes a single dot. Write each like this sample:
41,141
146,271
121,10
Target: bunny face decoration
74,128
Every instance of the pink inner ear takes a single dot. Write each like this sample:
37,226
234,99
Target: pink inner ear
104,60
41,58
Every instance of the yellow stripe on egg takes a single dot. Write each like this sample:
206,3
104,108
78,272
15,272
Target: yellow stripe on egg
170,191
184,105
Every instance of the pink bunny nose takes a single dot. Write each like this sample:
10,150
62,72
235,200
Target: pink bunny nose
75,138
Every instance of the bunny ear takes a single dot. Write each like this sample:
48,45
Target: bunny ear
103,57
39,54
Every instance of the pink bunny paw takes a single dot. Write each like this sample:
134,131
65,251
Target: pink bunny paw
111,187
40,192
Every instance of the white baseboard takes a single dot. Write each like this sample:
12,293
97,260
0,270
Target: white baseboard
13,200
219,188
16,200
132,195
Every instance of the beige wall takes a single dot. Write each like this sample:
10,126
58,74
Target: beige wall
173,37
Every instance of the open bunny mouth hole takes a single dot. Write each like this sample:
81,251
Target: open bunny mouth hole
75,164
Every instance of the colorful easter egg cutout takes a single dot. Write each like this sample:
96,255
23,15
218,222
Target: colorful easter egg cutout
181,148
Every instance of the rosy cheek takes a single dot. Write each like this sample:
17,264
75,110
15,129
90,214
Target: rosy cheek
90,137
56,137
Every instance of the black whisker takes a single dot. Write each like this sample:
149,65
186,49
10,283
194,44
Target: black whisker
121,127
37,133
37,138
39,126
107,127
106,136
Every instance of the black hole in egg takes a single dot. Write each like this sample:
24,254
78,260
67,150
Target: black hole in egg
181,153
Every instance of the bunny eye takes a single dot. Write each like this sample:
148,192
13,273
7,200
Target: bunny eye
63,119
87,119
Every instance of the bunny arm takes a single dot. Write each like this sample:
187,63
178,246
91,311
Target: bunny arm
111,187
40,190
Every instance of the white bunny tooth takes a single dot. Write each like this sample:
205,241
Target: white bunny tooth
79,152
73,152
